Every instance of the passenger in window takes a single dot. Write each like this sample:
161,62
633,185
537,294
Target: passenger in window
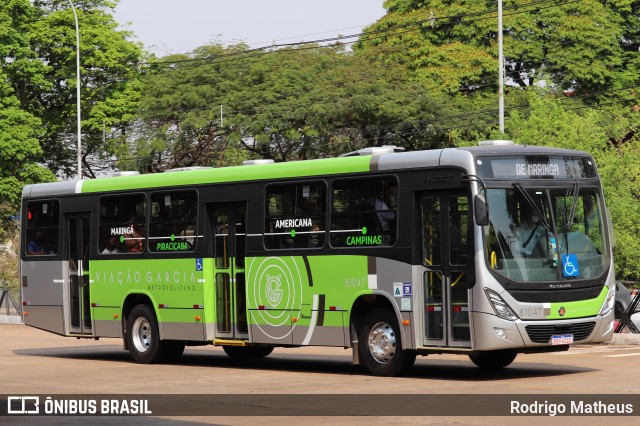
528,233
314,238
385,215
36,247
111,246
287,242
134,243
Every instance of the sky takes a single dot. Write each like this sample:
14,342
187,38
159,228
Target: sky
178,26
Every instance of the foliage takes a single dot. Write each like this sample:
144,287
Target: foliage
611,137
19,150
9,266
40,65
289,104
578,45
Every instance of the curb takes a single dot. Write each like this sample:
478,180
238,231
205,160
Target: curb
10,319
625,339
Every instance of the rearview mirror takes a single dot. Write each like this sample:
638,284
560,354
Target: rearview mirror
481,210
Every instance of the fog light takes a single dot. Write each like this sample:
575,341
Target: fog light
500,333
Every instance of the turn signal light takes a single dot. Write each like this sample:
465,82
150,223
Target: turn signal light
115,316
406,322
198,318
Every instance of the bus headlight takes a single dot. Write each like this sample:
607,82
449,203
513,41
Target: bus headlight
500,306
609,302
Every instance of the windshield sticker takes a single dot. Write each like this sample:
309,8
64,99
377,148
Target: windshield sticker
570,265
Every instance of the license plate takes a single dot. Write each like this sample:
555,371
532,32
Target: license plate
562,339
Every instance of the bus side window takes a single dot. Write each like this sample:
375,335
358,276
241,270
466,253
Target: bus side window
173,222
295,215
364,212
122,217
43,228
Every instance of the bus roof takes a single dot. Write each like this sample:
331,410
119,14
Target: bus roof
454,157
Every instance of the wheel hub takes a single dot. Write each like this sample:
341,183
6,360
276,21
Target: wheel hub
382,342
142,337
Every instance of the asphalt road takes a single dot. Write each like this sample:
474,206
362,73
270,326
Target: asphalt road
34,362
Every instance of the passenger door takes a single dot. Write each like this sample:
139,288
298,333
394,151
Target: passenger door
228,222
78,292
448,262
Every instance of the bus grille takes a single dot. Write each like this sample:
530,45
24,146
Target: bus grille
543,333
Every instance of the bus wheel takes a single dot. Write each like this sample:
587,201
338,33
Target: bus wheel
143,338
241,353
380,345
493,360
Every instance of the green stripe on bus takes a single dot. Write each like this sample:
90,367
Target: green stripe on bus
579,309
317,168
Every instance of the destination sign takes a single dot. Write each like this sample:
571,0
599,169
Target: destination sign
536,167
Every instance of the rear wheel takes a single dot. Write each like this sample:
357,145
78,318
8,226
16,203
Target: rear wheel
143,338
493,360
247,352
380,345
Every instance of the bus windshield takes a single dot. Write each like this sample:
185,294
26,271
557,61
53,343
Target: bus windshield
543,235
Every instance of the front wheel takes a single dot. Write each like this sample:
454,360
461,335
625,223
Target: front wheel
143,338
493,360
380,345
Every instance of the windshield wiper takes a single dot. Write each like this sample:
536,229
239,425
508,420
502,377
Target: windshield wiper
575,192
532,204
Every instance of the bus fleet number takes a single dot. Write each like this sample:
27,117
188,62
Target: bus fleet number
530,312
354,282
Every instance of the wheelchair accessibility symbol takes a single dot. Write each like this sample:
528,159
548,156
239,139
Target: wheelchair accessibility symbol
198,264
570,265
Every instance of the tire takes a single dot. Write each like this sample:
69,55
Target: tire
242,353
380,345
493,360
143,338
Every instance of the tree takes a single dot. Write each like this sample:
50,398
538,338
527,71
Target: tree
581,46
9,268
19,151
285,104
41,67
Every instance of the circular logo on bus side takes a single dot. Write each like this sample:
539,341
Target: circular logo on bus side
277,287
562,311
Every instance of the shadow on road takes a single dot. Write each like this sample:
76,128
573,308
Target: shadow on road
430,367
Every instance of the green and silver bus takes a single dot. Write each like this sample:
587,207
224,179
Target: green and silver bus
485,251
